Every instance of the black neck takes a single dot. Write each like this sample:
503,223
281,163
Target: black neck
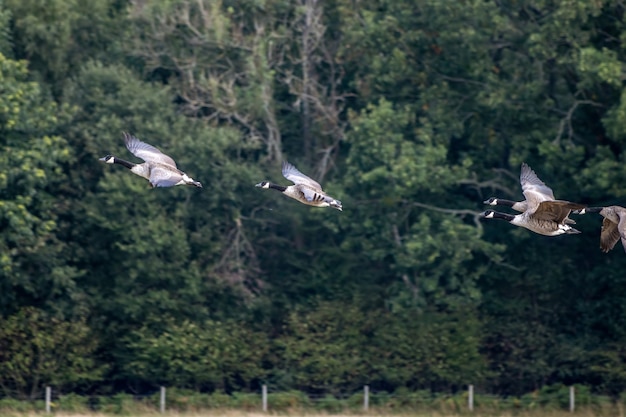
503,202
277,187
593,209
503,216
122,162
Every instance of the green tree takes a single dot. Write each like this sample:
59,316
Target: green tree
32,265
400,179
58,36
209,355
427,350
154,253
321,349
38,350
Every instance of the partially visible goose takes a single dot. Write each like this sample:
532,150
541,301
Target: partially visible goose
531,183
543,214
543,222
305,190
158,168
613,225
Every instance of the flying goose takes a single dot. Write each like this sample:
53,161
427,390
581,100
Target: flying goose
305,190
543,214
158,168
613,225
531,182
545,223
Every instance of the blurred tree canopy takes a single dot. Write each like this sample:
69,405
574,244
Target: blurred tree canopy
411,113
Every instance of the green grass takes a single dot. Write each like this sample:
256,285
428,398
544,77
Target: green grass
616,412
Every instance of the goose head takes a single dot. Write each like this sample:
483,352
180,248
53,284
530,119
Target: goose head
263,184
109,159
488,214
492,201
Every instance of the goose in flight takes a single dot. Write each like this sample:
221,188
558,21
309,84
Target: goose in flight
305,190
613,225
542,213
532,181
158,168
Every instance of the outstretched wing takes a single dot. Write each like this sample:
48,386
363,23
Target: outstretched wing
533,188
609,235
146,152
556,210
292,174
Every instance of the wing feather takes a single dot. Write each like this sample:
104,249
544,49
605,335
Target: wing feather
556,210
609,235
292,174
146,152
533,188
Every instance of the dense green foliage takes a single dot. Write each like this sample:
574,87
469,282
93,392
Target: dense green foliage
410,112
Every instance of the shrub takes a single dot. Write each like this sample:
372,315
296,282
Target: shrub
329,404
290,400
381,399
72,403
184,400
403,398
11,405
219,399
122,404
246,401
355,401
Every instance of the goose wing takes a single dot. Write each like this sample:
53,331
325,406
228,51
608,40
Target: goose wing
292,174
621,227
146,152
311,195
163,176
555,210
610,235
533,188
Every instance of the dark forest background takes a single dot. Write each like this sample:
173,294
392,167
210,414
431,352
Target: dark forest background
410,112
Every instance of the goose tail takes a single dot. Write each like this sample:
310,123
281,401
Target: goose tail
336,204
572,231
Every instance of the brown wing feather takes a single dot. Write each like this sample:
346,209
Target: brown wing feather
556,210
609,235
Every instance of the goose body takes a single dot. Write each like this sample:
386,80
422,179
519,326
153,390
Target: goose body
532,185
540,212
158,168
533,223
305,189
613,225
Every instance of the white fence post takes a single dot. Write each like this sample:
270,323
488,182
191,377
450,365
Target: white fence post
572,399
162,401
366,397
264,397
470,397
48,398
